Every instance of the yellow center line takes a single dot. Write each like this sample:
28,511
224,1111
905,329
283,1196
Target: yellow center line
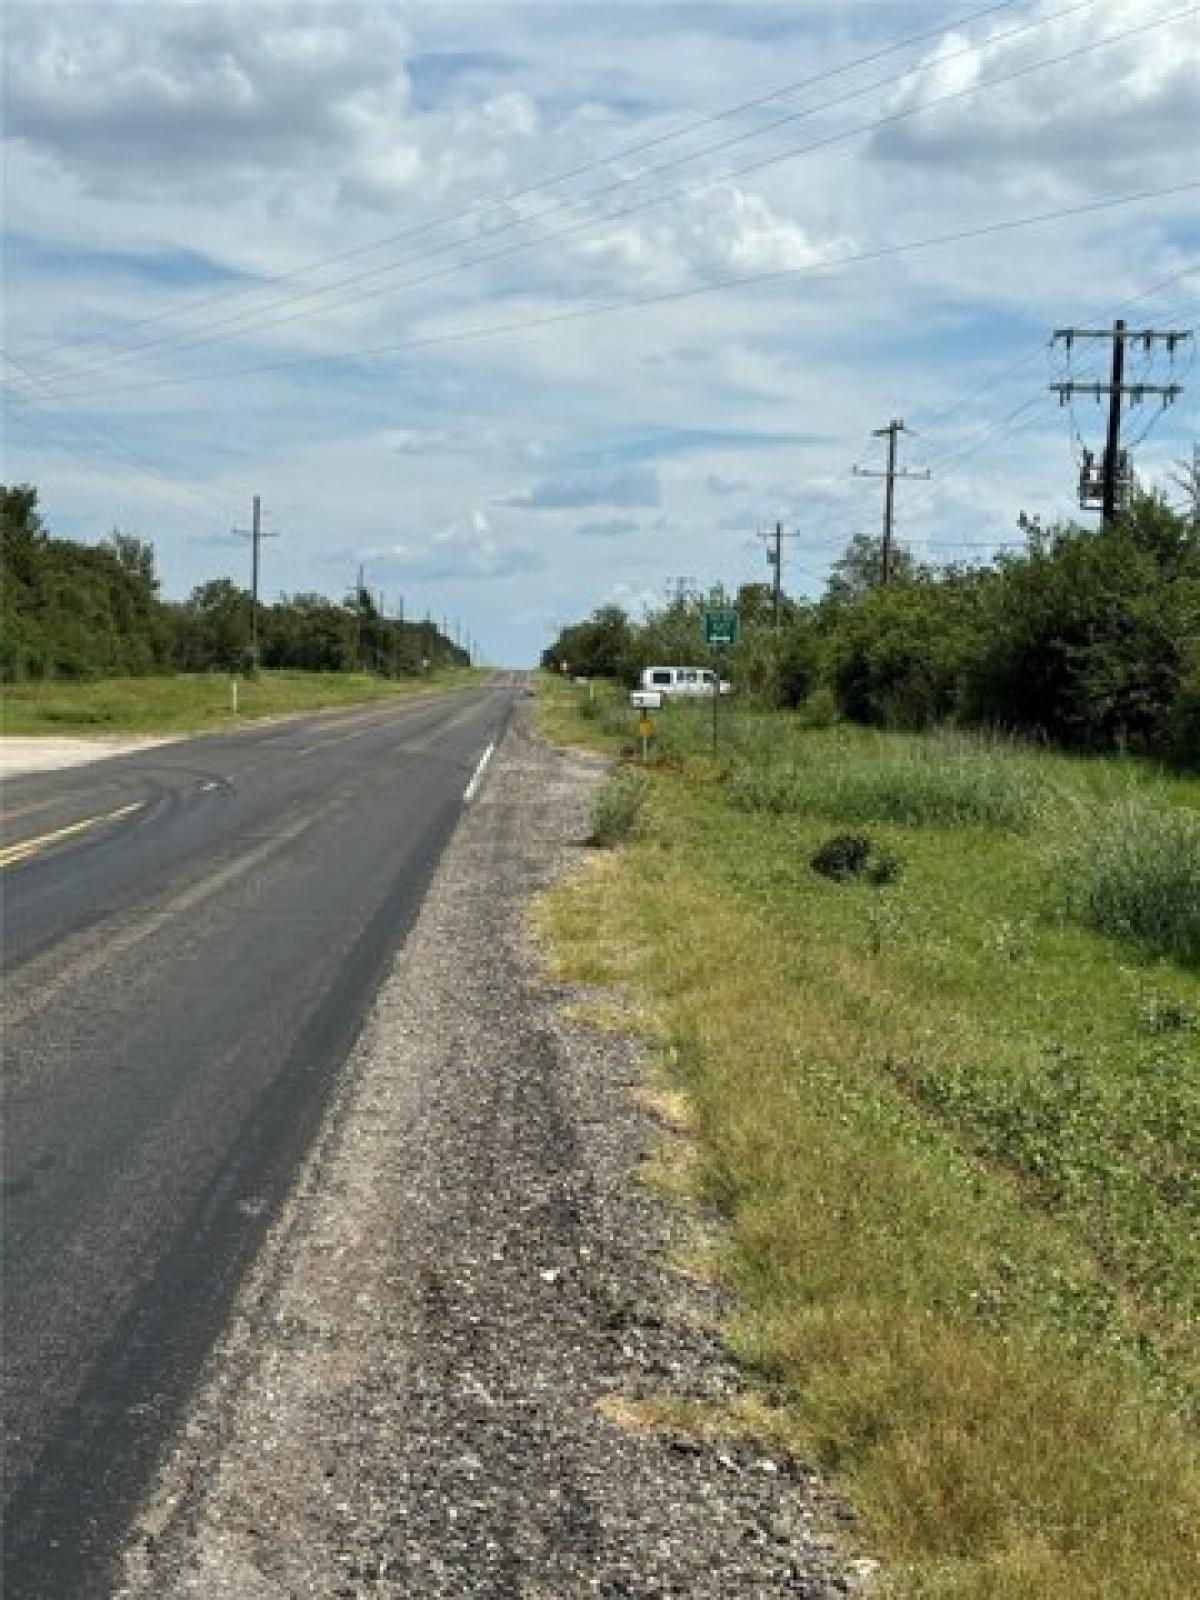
8,814
30,847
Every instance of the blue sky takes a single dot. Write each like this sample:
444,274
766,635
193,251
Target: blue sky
214,209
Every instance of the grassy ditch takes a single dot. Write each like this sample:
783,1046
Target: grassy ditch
952,1120
193,702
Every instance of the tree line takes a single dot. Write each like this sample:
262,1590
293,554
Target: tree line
1087,638
70,610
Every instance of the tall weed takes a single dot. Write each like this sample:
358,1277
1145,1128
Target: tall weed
943,782
617,808
1135,872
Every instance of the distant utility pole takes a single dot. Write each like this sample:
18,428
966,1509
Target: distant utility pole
256,535
775,561
890,473
1109,487
360,578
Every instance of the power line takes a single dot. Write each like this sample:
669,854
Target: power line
552,180
1022,415
664,297
110,442
92,464
256,534
1110,486
890,474
1001,427
249,322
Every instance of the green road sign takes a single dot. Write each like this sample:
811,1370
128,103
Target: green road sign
720,627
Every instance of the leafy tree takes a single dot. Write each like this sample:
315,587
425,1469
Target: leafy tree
897,657
597,648
216,625
1087,637
859,569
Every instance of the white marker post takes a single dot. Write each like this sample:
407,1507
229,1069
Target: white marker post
233,695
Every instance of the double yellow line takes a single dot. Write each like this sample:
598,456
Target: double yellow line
31,847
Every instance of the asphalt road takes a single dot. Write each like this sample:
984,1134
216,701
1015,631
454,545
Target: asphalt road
191,937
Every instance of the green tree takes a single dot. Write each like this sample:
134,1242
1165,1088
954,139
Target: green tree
859,569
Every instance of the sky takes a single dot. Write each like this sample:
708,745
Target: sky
528,309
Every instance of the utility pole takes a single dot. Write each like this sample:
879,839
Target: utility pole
255,535
890,473
358,597
774,543
1108,488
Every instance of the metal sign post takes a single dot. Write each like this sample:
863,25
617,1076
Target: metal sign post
720,630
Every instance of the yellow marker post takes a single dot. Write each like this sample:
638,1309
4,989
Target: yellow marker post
646,732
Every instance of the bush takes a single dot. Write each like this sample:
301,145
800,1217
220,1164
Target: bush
1136,874
949,782
820,710
617,809
852,855
1185,720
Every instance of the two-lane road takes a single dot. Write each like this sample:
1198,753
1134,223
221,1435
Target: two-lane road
191,937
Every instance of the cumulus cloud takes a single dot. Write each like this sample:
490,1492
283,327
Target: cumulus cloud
466,549
1120,108
157,153
628,486
150,95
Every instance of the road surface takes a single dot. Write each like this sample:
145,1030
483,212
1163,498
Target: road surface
192,935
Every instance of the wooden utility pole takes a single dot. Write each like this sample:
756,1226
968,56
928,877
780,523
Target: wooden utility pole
774,543
1108,488
890,473
1112,442
775,557
255,535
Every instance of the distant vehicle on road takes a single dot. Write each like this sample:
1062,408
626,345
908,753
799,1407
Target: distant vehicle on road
662,684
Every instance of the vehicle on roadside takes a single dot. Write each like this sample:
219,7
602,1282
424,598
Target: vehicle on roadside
659,685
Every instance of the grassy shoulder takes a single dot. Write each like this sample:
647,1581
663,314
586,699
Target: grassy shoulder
953,1129
189,703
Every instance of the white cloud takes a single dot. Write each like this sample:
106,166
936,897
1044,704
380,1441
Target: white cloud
465,551
158,153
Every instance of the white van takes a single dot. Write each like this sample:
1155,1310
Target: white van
660,684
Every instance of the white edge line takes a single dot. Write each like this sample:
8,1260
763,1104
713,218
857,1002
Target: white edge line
472,788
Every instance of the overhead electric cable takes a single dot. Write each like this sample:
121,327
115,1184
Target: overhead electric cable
501,197
247,322
177,496
143,466
667,296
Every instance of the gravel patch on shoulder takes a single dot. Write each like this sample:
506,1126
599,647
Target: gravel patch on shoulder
20,753
406,1403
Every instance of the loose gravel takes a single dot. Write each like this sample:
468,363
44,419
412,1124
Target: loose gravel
410,1400
20,754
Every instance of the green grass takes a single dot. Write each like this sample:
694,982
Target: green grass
1134,871
192,702
617,808
955,781
954,1131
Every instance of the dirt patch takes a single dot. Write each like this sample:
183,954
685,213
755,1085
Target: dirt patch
49,753
423,1388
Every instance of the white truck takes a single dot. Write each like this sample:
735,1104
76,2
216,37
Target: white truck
662,684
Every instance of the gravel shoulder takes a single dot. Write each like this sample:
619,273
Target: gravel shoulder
21,753
408,1399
